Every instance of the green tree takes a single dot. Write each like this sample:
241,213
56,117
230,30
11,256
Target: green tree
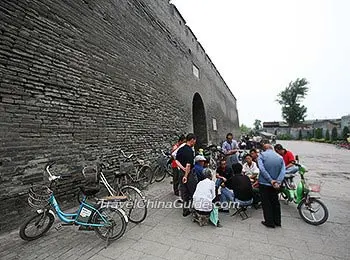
319,133
334,134
245,129
345,132
327,137
257,124
300,135
292,111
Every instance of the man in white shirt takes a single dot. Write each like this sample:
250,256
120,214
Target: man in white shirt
204,194
250,168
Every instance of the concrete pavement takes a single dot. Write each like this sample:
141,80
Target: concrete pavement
165,234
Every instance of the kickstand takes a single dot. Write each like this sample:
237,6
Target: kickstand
107,239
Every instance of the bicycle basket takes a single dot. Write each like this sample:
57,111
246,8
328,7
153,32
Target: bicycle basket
39,196
315,187
91,174
126,167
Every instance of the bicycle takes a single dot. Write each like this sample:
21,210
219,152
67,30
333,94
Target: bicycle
162,167
103,220
139,175
136,206
214,154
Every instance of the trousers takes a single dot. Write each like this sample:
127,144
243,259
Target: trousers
270,205
187,189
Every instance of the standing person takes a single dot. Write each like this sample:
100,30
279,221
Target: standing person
188,178
230,148
272,171
176,170
288,158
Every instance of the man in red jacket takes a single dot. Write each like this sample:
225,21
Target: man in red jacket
288,158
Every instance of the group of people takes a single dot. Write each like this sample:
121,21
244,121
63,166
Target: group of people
258,180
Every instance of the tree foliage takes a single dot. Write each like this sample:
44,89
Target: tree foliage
292,111
327,137
300,135
257,124
245,129
334,134
319,133
345,132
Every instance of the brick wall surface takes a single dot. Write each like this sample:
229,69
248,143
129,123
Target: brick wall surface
81,79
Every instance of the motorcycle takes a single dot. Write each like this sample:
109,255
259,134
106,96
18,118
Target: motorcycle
310,208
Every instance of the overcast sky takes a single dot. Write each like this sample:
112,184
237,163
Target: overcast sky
259,46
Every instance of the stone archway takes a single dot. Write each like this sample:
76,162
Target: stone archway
199,121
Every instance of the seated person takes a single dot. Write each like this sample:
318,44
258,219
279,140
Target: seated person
222,173
288,158
250,169
204,194
241,186
254,154
199,161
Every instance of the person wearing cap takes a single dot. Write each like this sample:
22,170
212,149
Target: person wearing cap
203,198
199,162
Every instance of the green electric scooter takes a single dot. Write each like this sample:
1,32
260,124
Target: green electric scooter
311,209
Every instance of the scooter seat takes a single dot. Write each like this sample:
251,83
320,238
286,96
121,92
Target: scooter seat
290,176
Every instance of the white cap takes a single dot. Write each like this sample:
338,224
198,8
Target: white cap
199,158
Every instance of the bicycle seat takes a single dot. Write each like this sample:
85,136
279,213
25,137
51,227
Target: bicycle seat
289,176
90,190
114,199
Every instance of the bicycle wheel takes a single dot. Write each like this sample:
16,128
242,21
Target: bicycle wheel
144,176
36,226
115,226
159,173
313,212
136,207
169,169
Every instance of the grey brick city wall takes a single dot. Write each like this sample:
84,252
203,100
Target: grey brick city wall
81,79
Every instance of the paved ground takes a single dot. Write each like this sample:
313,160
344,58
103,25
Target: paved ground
165,234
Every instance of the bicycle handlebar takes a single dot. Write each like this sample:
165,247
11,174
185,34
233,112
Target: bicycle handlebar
125,156
165,154
53,177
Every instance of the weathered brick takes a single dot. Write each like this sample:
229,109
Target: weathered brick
78,81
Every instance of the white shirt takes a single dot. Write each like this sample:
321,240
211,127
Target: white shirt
203,196
252,170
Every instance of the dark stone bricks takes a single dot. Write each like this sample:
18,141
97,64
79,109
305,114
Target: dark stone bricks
82,79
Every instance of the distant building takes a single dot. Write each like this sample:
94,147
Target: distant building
306,127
